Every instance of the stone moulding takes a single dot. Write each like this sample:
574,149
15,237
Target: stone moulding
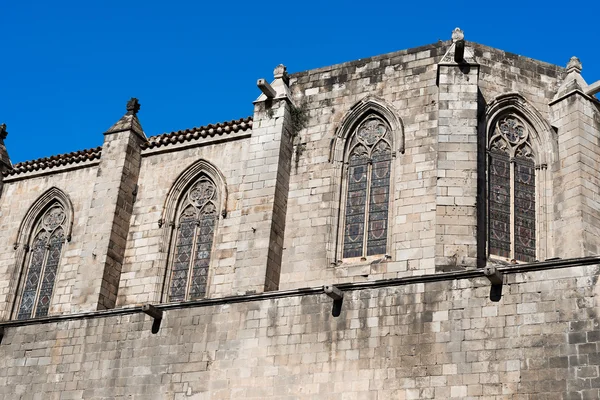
39,206
311,291
339,152
545,153
168,216
185,179
542,133
355,115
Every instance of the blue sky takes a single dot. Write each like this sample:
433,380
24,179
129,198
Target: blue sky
68,67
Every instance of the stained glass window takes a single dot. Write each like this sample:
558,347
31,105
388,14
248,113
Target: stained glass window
368,187
524,209
44,257
499,200
511,191
194,240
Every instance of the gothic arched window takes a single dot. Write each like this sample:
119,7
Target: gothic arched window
511,190
368,189
195,223
44,255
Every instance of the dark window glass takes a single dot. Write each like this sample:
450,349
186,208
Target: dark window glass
524,209
379,200
356,205
47,284
499,200
183,254
203,248
194,242
44,258
511,191
368,190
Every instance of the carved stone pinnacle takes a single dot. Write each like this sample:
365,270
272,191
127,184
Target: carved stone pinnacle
3,132
574,65
457,34
280,71
133,106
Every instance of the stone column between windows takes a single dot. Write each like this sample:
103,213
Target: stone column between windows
456,211
264,192
109,218
576,185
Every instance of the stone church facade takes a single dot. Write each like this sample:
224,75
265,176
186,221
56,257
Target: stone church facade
423,224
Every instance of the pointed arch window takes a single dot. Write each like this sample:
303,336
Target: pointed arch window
511,191
368,189
196,219
44,257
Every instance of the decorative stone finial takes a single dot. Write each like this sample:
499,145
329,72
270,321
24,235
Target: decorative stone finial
280,71
3,132
574,65
133,106
457,34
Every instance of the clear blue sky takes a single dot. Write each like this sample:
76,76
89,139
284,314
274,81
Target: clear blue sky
68,67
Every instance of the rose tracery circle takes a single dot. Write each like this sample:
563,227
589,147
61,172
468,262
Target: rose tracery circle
371,131
53,218
202,192
512,129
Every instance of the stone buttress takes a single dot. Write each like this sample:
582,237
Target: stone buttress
109,218
576,117
456,211
264,190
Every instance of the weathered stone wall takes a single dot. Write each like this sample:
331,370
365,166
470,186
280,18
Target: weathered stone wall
456,201
16,199
264,197
148,244
108,223
576,205
436,185
417,341
406,81
435,189
504,72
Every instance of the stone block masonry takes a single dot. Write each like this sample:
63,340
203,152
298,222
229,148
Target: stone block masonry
457,155
265,191
428,340
107,228
577,117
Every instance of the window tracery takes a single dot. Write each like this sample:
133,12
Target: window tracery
368,187
511,188
45,252
193,241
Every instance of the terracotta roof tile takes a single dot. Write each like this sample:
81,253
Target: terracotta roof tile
74,157
211,130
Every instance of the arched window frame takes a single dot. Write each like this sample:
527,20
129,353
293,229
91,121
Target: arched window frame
30,227
341,147
368,156
170,222
543,152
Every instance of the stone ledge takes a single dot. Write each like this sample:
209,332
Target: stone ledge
438,277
